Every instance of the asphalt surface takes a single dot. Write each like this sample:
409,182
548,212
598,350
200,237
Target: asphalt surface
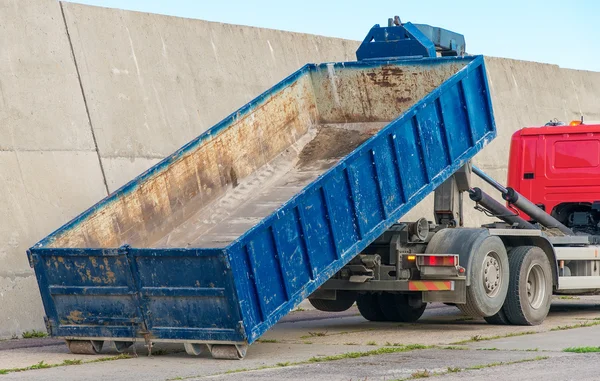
309,345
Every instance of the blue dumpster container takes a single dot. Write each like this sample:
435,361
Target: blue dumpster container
213,245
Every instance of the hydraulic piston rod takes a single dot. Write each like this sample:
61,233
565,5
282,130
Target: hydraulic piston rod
498,210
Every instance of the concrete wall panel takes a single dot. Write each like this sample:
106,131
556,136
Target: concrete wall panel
49,169
154,82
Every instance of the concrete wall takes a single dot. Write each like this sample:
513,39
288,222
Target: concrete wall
91,97
49,168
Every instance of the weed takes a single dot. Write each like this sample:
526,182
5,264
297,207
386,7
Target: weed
307,342
43,365
34,334
582,349
483,338
493,364
371,343
159,352
267,341
421,374
299,309
488,349
568,297
72,362
455,348
379,351
351,343
579,325
282,364
453,370
313,334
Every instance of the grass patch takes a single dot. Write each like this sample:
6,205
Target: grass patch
493,364
488,349
426,373
485,338
34,334
267,341
582,349
421,374
316,334
579,325
43,365
455,348
72,362
307,342
371,343
351,343
379,351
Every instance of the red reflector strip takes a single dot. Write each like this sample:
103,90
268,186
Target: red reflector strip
430,285
438,260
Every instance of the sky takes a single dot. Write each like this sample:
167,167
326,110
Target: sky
565,33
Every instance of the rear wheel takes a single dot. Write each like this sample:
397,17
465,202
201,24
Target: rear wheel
369,307
487,262
397,307
530,286
344,300
499,318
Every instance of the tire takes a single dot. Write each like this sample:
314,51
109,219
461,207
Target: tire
395,307
344,300
369,307
530,286
475,248
499,318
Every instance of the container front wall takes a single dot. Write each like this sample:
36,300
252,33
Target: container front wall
289,255
175,294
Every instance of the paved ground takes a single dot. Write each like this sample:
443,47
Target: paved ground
313,345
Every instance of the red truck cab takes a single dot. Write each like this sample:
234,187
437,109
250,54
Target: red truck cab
558,168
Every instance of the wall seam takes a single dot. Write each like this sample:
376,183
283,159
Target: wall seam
87,110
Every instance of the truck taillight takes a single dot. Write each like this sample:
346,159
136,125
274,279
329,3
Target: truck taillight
437,260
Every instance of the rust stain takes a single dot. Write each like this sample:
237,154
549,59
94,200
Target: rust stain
75,317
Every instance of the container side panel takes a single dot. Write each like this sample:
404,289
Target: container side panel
410,159
267,272
388,174
433,142
292,254
317,233
365,191
88,292
477,106
188,294
342,216
243,274
456,121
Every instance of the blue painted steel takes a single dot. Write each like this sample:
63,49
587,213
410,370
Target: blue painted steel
235,293
447,42
404,40
409,41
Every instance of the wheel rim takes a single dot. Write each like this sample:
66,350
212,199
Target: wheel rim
536,287
492,274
